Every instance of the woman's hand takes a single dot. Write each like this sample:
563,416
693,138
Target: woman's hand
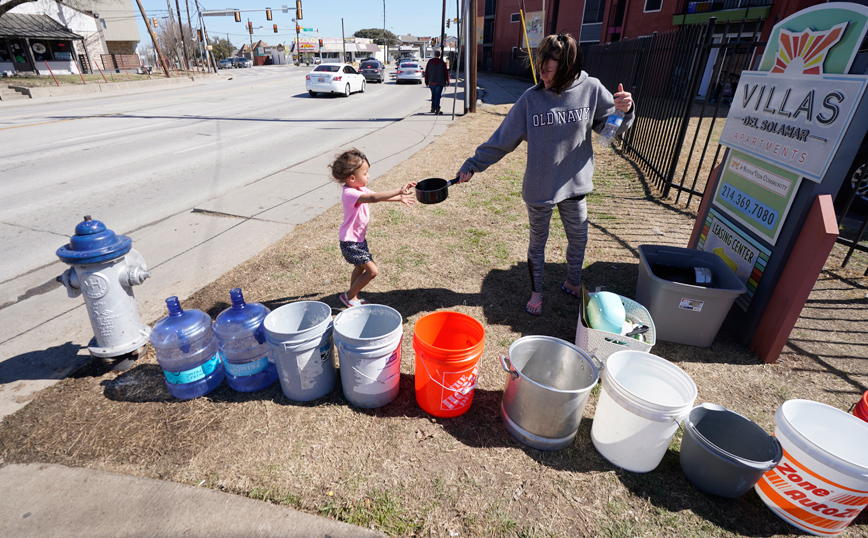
464,177
623,100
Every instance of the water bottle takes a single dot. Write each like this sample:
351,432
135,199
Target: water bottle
241,341
187,352
611,127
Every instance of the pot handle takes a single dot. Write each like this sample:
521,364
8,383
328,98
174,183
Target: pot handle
452,181
597,362
507,366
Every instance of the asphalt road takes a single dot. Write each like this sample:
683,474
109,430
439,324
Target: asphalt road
201,177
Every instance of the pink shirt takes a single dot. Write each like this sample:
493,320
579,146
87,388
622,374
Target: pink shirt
356,215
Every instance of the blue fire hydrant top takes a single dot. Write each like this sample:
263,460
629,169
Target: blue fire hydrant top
93,243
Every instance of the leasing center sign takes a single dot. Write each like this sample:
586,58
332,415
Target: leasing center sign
795,110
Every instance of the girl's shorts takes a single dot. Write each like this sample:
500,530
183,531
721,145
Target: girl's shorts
356,253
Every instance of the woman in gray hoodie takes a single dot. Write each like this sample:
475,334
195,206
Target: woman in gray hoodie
555,118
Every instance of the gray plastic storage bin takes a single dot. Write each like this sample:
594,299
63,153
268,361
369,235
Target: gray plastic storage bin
683,313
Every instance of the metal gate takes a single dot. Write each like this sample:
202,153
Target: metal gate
682,81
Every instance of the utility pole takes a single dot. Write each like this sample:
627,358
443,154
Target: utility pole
154,39
472,32
190,25
443,33
343,40
385,46
183,42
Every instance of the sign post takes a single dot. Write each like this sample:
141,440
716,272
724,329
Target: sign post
791,133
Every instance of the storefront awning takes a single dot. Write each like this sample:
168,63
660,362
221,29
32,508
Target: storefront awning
33,26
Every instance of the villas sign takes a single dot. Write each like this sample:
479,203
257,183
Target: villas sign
794,112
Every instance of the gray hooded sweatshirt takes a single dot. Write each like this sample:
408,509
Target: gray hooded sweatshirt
557,128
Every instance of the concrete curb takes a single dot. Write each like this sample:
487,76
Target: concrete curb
114,87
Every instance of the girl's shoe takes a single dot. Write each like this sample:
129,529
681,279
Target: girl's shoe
349,303
568,291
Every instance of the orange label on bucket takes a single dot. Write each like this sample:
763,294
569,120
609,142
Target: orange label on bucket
459,392
807,500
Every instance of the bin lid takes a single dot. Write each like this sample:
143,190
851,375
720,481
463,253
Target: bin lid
93,243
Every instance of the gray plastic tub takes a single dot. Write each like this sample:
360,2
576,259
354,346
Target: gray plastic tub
724,453
683,313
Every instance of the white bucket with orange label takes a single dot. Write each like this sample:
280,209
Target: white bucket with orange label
821,483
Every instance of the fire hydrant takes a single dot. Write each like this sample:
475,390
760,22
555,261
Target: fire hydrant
104,269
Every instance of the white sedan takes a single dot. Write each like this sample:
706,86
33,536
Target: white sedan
342,79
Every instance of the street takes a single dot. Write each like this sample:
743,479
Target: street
201,177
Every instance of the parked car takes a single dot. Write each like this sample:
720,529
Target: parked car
243,62
373,70
226,63
409,72
342,79
317,60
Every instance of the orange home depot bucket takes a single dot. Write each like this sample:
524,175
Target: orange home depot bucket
448,346
861,407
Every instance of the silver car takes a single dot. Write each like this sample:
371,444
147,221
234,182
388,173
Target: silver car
409,72
226,63
243,62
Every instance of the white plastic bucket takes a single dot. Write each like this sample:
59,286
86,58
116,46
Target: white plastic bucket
821,483
299,335
368,339
644,397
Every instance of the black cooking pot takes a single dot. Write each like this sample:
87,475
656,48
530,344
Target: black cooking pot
433,190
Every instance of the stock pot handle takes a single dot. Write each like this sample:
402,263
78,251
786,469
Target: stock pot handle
597,362
507,366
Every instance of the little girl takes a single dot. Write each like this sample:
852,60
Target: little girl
350,169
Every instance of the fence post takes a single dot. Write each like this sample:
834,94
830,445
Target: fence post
701,58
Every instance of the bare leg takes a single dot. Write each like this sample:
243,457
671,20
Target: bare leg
368,272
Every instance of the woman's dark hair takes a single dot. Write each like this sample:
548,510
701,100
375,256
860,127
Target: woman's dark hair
563,49
346,164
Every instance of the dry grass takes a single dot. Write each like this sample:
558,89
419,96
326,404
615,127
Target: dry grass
399,470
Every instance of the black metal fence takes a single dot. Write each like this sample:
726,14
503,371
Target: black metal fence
682,82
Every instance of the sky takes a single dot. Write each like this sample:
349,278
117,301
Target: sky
415,17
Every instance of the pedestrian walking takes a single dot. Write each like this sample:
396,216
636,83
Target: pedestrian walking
436,78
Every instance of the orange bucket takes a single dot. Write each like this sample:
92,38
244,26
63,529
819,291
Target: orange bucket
861,408
448,346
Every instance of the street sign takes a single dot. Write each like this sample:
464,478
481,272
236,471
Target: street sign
307,29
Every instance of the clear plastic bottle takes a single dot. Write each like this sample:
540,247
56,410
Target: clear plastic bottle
611,128
187,351
241,340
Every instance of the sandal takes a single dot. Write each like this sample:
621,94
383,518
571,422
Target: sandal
568,291
534,309
348,303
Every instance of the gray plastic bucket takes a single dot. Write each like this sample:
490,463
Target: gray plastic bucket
368,339
300,338
724,453
546,393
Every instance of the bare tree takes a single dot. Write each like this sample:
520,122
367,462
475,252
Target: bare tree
168,37
12,4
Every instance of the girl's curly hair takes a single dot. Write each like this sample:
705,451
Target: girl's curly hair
347,163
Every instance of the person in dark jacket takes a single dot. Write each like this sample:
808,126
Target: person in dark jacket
436,78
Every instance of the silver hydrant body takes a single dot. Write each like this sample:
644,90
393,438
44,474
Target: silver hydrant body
104,269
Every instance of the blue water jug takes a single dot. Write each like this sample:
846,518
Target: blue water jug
187,351
241,340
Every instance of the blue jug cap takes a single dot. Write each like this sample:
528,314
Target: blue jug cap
240,318
93,243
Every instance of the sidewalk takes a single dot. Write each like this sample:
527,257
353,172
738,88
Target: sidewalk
53,500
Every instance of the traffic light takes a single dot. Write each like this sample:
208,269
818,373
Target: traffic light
275,28
237,16
298,9
268,13
250,27
155,23
447,22
320,44
199,32
297,29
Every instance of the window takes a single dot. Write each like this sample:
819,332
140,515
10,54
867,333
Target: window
653,5
329,68
593,11
102,22
515,17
